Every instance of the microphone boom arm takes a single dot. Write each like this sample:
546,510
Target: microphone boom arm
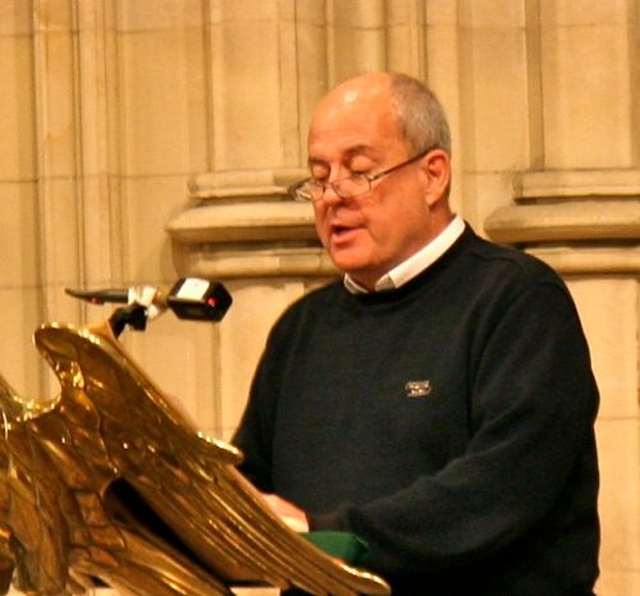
190,298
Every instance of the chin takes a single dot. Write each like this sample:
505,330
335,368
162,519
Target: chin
354,269
355,263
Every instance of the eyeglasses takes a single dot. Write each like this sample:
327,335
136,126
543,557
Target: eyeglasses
351,186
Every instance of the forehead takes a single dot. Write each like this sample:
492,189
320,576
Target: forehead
354,119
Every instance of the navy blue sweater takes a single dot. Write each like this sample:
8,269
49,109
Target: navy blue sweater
448,423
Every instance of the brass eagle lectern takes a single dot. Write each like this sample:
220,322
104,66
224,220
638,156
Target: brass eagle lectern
109,484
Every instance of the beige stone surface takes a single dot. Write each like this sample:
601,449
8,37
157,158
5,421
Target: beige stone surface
17,117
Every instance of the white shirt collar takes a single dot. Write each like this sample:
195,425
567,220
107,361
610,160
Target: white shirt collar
416,263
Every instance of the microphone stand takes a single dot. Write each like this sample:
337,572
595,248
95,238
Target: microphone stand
134,315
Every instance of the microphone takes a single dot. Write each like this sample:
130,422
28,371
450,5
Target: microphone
190,298
119,296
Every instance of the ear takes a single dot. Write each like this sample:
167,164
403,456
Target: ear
436,167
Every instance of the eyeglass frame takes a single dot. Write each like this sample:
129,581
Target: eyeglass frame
294,189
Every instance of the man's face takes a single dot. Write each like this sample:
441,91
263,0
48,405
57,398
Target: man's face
355,130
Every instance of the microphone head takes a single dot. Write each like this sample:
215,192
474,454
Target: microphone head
103,296
197,299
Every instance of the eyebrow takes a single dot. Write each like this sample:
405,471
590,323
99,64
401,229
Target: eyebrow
349,154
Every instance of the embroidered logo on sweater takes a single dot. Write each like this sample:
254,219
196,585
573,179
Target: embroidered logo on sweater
417,388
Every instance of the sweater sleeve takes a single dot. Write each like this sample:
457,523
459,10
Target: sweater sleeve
529,466
252,437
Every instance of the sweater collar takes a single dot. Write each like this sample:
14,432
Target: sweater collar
415,264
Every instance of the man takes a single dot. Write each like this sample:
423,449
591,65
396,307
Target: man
438,402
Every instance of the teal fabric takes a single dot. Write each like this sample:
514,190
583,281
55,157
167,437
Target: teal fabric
342,545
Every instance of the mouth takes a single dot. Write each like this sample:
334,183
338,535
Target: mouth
342,232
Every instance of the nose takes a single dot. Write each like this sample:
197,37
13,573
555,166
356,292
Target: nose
331,195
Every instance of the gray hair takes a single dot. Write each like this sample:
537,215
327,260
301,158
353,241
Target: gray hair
421,117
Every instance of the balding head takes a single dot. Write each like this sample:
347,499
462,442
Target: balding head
364,102
417,115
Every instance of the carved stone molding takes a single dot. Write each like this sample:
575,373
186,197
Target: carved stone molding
554,184
576,220
618,259
580,221
242,224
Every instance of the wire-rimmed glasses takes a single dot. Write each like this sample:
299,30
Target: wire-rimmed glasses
351,186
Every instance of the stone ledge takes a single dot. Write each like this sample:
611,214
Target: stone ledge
245,184
220,222
252,262
241,225
576,220
555,184
609,260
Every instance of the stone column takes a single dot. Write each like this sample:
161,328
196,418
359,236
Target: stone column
577,206
72,89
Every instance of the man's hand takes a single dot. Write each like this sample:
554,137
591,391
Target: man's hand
291,515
